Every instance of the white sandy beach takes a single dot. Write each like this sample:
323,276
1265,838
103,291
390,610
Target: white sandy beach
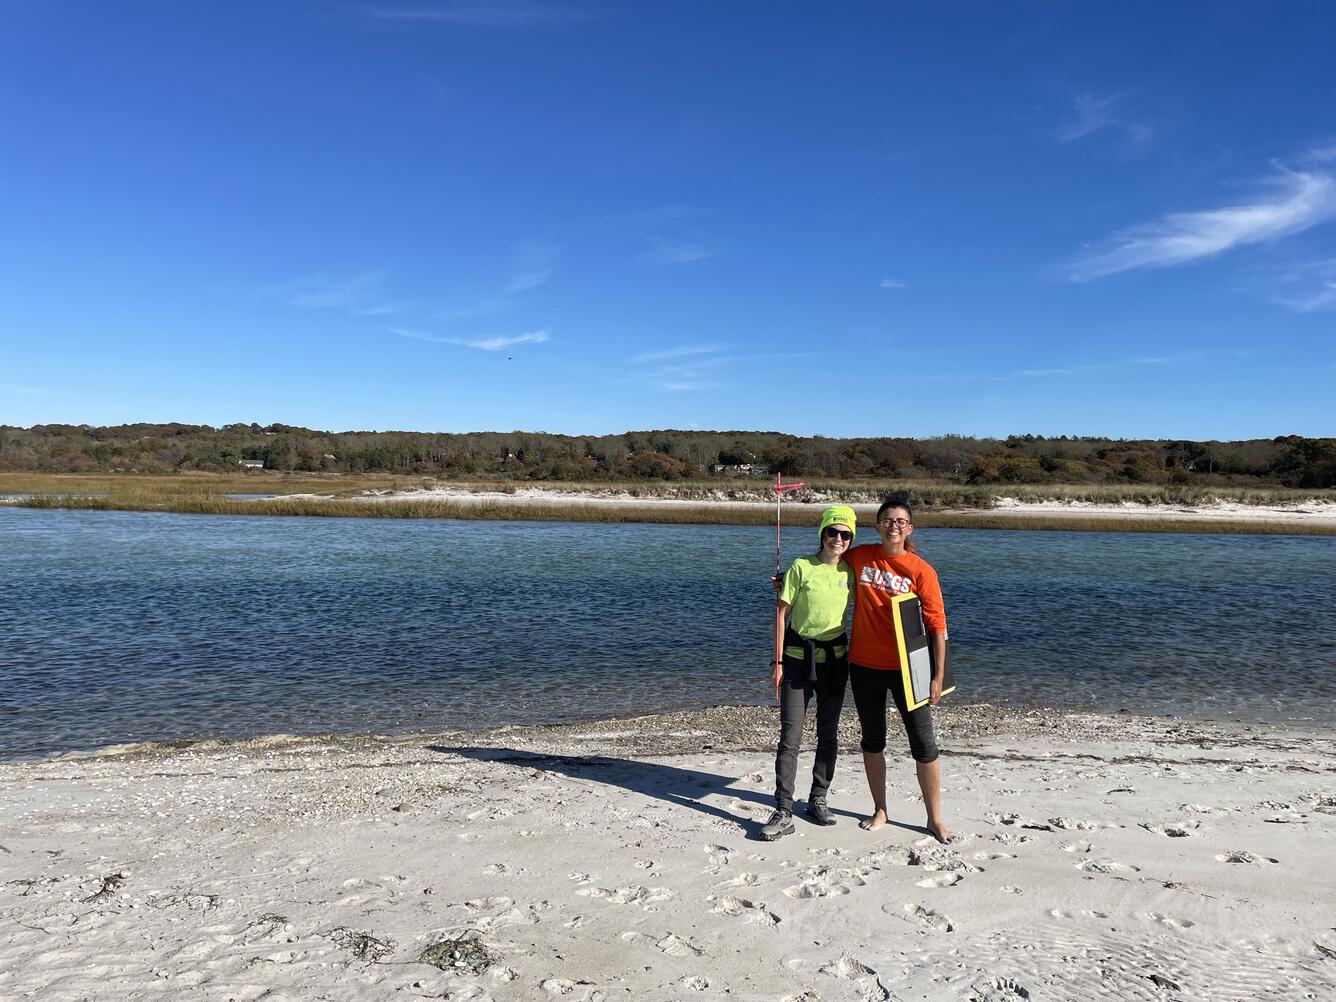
1098,858
1314,513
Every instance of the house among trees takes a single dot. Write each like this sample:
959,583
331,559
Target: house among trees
741,469
251,464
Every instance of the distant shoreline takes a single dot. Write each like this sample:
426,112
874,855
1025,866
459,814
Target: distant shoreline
1059,508
1316,516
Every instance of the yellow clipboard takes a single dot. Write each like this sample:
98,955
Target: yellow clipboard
916,658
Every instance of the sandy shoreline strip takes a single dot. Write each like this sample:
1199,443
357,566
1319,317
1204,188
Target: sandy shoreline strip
1317,515
1108,857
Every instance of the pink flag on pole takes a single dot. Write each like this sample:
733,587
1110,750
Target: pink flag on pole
781,489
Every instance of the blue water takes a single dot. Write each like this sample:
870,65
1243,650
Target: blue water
118,626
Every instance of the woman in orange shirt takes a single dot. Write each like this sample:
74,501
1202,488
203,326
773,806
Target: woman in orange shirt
882,571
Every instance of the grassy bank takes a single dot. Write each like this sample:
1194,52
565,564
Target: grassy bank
925,494
213,503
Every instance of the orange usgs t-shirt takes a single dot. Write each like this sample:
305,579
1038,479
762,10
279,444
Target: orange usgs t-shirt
877,579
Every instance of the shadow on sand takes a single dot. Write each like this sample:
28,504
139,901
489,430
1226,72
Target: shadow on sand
680,787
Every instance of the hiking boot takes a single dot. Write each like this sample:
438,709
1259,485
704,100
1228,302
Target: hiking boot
819,812
779,825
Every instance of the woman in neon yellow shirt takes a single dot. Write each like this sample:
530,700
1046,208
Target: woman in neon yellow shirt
811,652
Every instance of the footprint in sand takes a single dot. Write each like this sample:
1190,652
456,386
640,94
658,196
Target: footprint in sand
1081,846
895,856
984,857
633,894
1000,818
826,881
743,880
940,857
997,990
512,917
479,904
1201,809
719,855
1243,856
941,880
748,911
694,983
1167,921
670,945
357,891
1105,866
1075,824
674,945
925,917
847,969
1172,831
1009,889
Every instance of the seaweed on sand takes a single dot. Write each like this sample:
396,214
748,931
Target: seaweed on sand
464,954
363,945
110,884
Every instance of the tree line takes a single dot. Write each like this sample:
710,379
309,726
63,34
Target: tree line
669,454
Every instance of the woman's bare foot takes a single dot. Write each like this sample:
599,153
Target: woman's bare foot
940,832
873,823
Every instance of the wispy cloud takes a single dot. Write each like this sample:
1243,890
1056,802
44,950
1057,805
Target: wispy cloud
1291,202
892,283
377,311
1309,287
533,268
1094,112
680,251
684,351
523,280
492,343
498,14
497,343
699,367
350,294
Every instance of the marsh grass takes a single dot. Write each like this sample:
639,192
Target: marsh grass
633,512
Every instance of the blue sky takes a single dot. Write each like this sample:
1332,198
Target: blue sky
848,219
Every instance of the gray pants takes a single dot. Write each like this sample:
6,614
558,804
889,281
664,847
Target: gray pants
793,702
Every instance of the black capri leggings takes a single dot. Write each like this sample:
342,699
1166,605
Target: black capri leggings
870,686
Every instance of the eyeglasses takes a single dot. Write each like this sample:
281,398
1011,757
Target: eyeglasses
899,523
830,532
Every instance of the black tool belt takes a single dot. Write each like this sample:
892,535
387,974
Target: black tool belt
804,672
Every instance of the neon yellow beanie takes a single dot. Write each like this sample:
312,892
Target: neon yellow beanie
839,514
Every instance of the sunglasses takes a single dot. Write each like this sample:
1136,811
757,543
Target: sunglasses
830,532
